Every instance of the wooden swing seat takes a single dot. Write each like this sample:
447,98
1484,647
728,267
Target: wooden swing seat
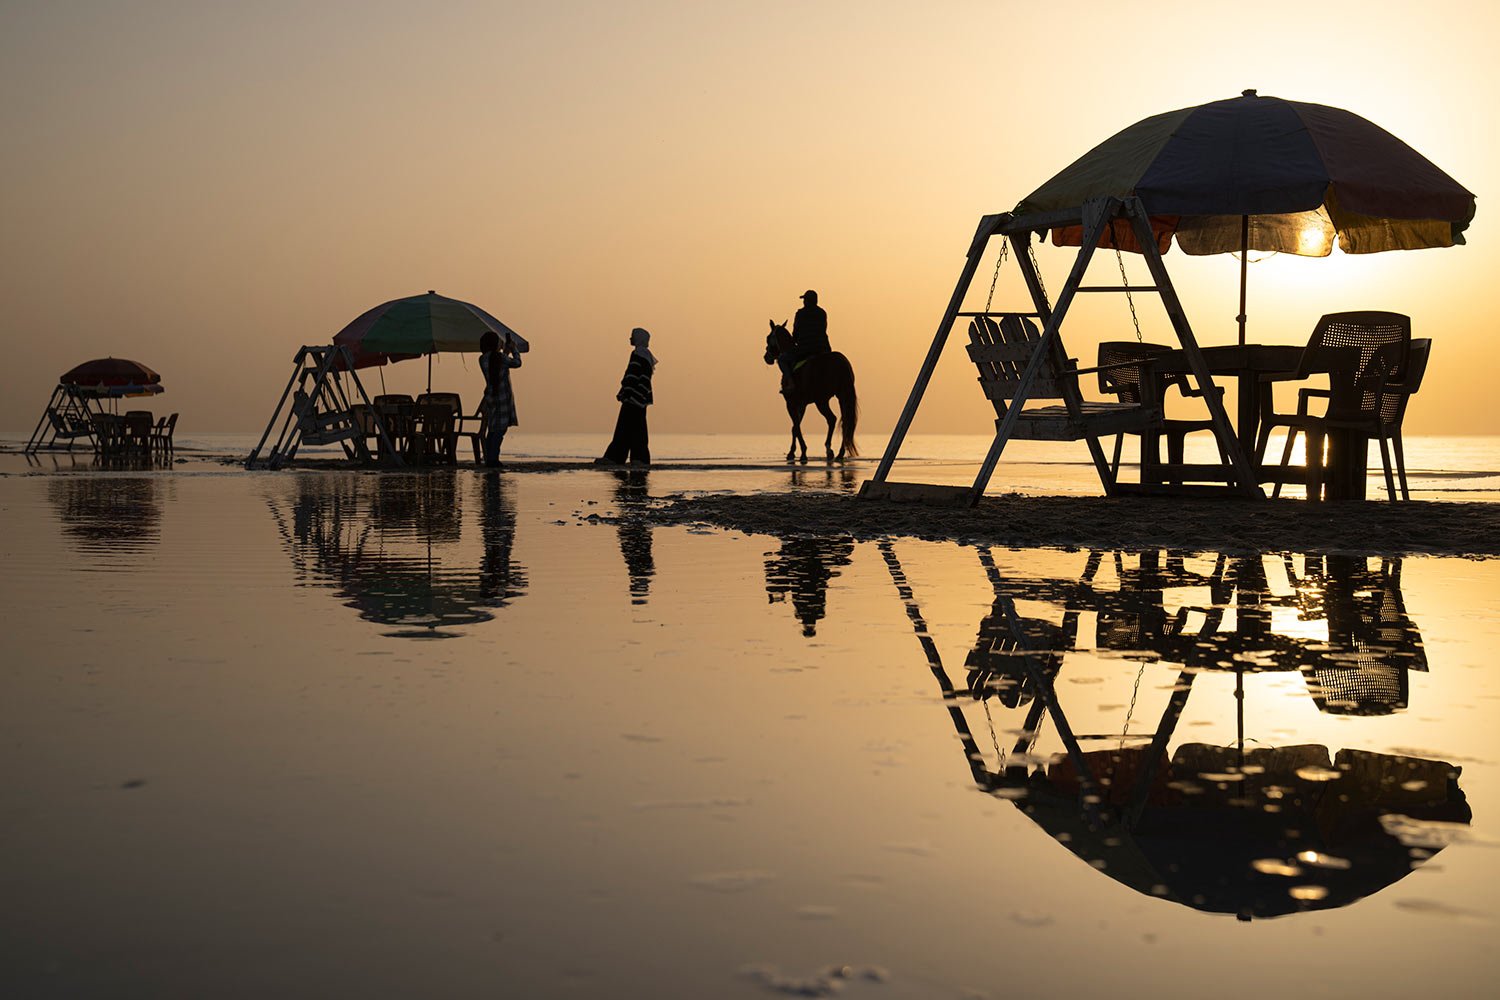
1002,345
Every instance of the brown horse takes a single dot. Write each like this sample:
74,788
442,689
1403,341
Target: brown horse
816,381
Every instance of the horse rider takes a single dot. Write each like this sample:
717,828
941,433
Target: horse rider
809,337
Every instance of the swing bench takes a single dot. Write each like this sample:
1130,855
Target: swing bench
1002,346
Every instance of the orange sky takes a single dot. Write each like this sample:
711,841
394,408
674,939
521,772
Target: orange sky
203,188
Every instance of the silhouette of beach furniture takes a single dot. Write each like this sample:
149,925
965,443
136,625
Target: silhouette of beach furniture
1188,176
440,414
137,429
1354,399
1002,347
1124,371
81,393
161,434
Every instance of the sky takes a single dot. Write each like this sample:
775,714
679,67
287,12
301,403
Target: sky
205,186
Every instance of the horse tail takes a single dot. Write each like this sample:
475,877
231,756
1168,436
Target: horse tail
848,408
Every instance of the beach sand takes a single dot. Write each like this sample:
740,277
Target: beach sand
1067,522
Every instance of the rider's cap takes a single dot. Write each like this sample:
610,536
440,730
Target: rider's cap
810,294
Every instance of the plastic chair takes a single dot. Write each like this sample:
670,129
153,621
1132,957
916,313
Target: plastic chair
1121,367
1383,341
161,434
138,425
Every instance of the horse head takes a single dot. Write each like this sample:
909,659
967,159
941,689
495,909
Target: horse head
777,341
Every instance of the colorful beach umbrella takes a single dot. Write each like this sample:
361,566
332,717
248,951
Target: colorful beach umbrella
418,325
1262,173
112,377
110,372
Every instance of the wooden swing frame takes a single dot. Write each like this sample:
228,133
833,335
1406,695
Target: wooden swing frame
1094,217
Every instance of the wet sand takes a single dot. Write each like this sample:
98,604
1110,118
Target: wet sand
1067,522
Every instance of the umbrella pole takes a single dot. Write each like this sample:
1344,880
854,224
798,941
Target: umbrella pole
429,357
1244,266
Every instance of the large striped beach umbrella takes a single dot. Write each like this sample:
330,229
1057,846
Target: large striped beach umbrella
418,325
1263,173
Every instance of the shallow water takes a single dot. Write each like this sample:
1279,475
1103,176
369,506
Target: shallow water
309,734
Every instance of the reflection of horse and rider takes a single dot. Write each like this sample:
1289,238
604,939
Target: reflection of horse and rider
1254,831
812,373
802,571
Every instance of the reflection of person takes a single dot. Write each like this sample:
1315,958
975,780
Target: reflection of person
499,402
630,442
809,335
635,534
501,578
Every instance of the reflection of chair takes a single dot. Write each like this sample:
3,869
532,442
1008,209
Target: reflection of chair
1121,375
1354,398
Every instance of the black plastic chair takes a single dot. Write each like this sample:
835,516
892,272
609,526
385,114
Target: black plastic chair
1382,340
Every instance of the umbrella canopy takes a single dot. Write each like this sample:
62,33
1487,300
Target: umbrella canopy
1265,174
417,325
112,377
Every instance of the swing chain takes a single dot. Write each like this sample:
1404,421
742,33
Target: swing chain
1128,297
1031,253
1130,712
1004,249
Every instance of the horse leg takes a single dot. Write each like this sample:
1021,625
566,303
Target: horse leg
795,411
798,410
827,412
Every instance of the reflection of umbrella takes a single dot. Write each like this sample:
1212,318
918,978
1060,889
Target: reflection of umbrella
112,377
1285,832
1263,173
420,324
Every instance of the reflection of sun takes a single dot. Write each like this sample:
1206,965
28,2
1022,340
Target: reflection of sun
1284,621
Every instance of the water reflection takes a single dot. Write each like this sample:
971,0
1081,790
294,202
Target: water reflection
1253,830
802,571
632,502
393,547
842,478
107,516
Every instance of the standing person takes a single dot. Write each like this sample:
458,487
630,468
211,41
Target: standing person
499,402
809,337
630,441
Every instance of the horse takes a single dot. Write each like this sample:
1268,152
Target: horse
816,381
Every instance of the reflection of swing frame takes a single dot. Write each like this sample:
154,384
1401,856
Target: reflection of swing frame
1095,218
1231,852
1375,633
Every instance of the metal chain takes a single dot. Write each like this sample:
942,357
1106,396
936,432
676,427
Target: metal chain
1130,712
1004,249
994,739
1128,297
1031,252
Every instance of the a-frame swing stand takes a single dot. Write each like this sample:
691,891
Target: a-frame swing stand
317,408
1020,366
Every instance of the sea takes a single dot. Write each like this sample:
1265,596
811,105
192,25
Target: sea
448,733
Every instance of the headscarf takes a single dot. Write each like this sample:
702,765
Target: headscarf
642,341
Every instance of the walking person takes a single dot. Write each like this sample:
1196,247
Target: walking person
630,442
499,405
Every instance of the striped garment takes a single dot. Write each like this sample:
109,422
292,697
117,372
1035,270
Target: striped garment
499,401
635,386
